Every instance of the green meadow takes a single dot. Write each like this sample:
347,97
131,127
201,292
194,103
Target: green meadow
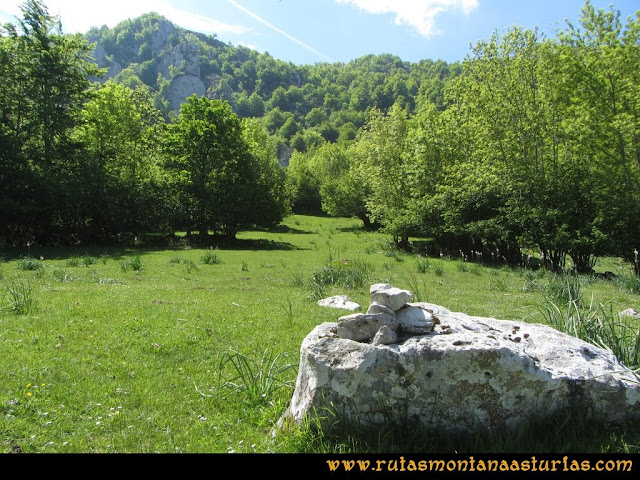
190,349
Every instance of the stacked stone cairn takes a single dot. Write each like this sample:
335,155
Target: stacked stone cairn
389,319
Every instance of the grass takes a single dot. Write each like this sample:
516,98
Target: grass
257,379
169,355
21,298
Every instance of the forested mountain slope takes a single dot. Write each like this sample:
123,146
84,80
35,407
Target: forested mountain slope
303,105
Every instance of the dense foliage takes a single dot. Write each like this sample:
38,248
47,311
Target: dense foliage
84,162
536,151
529,146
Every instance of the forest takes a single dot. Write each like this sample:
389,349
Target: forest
530,146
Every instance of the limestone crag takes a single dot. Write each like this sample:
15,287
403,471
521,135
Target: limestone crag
444,370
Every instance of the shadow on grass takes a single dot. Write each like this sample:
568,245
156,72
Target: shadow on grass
256,245
146,245
283,229
568,432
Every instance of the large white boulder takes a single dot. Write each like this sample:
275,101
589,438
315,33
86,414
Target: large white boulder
466,373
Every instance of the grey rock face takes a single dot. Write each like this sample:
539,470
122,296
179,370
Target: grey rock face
184,57
465,374
160,38
184,86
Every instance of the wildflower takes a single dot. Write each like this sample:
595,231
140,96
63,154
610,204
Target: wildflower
28,394
28,385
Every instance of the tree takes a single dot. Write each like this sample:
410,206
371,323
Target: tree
342,191
302,185
120,133
385,166
596,66
46,84
269,200
215,169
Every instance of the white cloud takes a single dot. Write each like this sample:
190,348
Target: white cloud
418,14
81,15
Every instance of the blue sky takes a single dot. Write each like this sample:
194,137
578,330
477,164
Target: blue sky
312,31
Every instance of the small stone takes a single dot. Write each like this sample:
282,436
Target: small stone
376,307
385,336
362,328
415,321
630,312
340,302
394,298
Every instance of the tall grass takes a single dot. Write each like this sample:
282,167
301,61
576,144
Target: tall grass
134,264
21,298
258,379
565,289
30,264
211,257
349,275
598,325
